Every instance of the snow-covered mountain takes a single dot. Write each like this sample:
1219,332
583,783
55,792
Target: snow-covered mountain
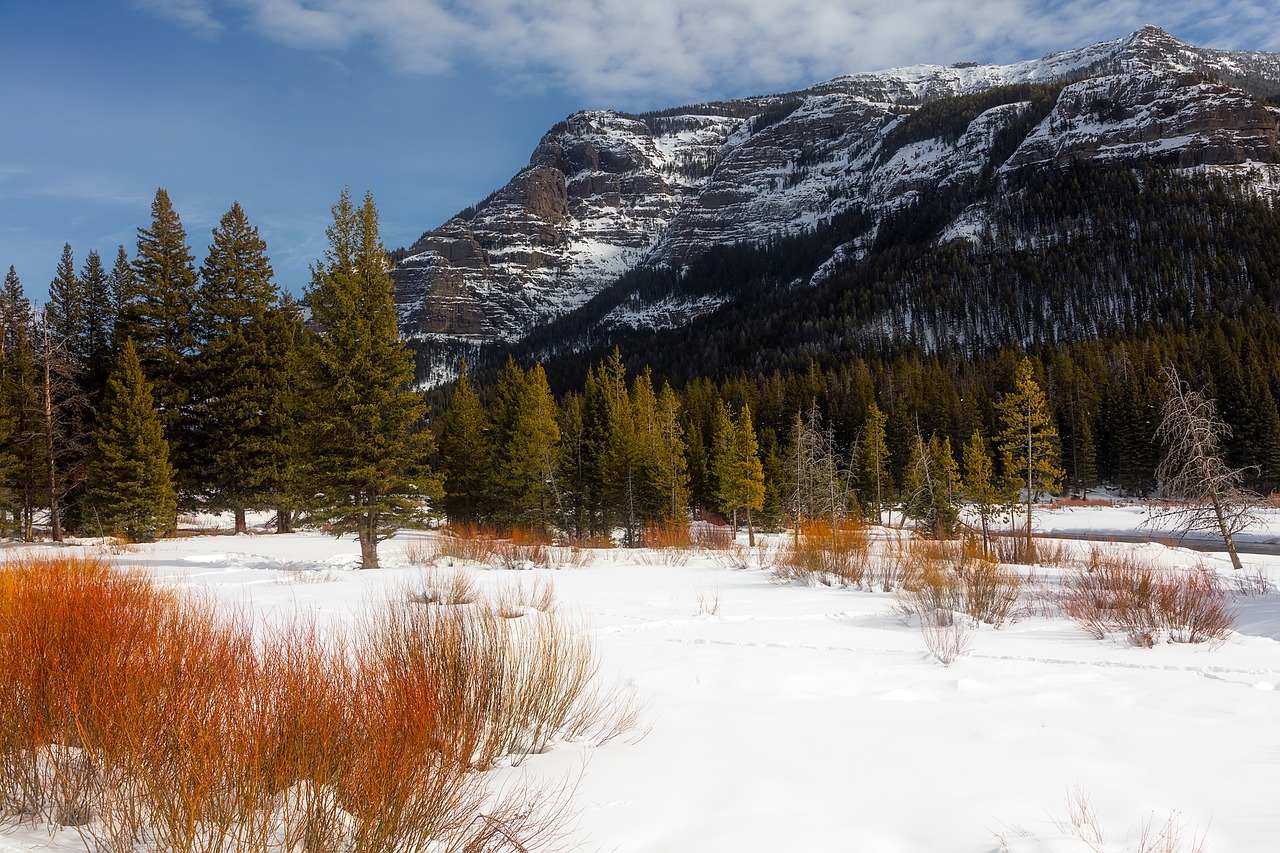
605,192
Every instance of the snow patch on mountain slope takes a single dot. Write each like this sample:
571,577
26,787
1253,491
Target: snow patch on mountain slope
670,312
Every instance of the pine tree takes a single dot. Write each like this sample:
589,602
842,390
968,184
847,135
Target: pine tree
366,438
237,383
157,312
20,382
817,477
1029,440
621,451
281,482
533,455
650,496
131,490
575,518
64,358
122,282
980,486
502,484
464,451
873,462
15,313
64,312
671,467
918,486
99,312
739,473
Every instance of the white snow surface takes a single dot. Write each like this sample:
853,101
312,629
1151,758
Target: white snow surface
799,718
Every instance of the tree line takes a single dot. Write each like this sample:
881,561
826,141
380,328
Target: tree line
616,455
158,385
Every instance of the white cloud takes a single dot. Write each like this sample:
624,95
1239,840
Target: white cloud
659,51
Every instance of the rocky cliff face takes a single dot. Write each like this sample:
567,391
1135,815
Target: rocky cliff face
605,192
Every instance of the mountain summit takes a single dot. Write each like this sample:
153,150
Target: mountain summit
607,192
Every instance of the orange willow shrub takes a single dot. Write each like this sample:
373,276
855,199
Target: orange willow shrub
827,554
152,720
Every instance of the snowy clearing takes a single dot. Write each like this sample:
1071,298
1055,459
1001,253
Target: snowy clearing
795,717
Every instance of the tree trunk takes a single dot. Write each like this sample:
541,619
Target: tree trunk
1226,535
751,530
368,549
284,520
55,521
241,525
1031,548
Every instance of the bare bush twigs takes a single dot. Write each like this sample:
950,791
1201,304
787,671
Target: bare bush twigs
956,577
1170,836
1145,603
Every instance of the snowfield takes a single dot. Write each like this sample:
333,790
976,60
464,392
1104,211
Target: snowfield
787,717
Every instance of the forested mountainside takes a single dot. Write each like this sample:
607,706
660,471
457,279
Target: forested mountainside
949,208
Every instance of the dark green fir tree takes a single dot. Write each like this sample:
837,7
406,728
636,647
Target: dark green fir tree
239,382
367,443
464,451
131,491
157,312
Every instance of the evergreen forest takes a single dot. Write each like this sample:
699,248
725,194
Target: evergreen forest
153,385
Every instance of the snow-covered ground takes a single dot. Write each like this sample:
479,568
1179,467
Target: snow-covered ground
783,717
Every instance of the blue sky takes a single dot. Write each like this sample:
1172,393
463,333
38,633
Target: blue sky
431,104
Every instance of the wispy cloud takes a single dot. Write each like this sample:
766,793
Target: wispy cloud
96,189
624,49
195,15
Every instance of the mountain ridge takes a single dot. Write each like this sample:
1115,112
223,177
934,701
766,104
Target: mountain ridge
607,192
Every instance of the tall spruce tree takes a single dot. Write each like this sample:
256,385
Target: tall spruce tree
238,379
739,473
122,281
1029,441
671,467
20,382
131,491
464,451
533,455
367,441
875,481
99,311
621,451
157,312
281,484
980,486
64,312
15,403
575,518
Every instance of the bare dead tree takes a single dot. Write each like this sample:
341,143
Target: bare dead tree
63,404
1209,493
819,478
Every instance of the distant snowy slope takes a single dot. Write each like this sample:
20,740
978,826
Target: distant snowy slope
606,192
